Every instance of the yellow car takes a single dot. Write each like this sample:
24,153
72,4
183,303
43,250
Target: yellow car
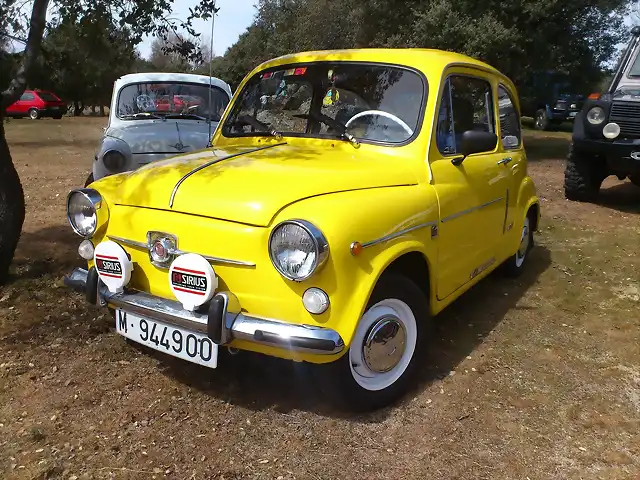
349,196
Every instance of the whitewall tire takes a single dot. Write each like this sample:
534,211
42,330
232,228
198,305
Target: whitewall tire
380,364
515,264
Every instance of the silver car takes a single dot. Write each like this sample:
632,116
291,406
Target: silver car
157,115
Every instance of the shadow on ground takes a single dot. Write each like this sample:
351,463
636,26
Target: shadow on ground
49,251
258,382
546,147
623,197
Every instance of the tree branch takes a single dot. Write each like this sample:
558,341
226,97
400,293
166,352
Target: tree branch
30,56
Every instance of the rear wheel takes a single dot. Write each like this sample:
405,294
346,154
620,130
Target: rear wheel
34,114
515,264
386,348
583,176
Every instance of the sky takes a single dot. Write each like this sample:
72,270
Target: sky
233,19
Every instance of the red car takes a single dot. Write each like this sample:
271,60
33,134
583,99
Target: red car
37,104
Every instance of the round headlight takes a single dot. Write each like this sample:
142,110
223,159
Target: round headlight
611,130
113,161
297,249
596,116
82,211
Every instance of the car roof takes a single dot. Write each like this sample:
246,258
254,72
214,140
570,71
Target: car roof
171,77
423,59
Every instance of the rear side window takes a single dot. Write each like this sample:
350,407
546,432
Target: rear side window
509,120
27,97
47,97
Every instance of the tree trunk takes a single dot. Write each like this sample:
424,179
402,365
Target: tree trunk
11,194
11,206
102,112
76,109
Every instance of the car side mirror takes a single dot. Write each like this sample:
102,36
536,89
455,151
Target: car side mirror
474,141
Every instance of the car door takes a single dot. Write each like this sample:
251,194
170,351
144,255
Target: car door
514,155
472,195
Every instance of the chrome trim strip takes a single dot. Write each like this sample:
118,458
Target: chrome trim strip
391,236
226,261
131,243
470,210
506,213
212,162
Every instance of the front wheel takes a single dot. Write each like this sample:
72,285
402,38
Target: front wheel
34,114
381,361
583,176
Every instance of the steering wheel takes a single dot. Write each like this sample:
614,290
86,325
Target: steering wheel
144,102
380,113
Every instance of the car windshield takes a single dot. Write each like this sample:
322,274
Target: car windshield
635,68
158,99
378,103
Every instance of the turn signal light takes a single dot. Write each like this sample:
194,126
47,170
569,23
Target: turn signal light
594,96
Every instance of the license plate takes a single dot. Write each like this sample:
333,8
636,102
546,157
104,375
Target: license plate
572,114
190,346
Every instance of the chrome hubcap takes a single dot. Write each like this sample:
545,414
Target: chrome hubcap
384,345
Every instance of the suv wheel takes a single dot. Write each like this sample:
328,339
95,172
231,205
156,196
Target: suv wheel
541,122
34,114
385,350
583,176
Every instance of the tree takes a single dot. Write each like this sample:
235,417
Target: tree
165,60
139,17
522,38
82,57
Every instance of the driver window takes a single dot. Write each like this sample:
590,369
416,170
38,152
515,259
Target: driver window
466,104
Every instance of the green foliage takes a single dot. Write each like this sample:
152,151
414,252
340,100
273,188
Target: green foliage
82,57
522,38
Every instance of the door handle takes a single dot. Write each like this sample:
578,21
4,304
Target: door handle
504,161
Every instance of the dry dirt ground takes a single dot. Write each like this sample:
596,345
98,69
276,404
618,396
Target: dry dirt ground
533,379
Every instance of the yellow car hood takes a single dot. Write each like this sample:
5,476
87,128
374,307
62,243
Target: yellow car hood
251,186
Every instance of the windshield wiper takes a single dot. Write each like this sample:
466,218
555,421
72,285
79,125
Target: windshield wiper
336,125
191,116
141,115
254,122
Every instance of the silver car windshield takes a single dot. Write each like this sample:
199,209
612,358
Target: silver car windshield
161,99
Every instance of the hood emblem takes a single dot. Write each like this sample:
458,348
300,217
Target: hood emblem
178,146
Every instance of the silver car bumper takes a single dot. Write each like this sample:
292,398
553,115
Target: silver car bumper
223,322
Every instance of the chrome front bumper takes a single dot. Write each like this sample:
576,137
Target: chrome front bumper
223,323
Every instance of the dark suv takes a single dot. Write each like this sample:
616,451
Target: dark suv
548,99
606,132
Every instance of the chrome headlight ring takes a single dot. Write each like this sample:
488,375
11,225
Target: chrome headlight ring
314,238
85,205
